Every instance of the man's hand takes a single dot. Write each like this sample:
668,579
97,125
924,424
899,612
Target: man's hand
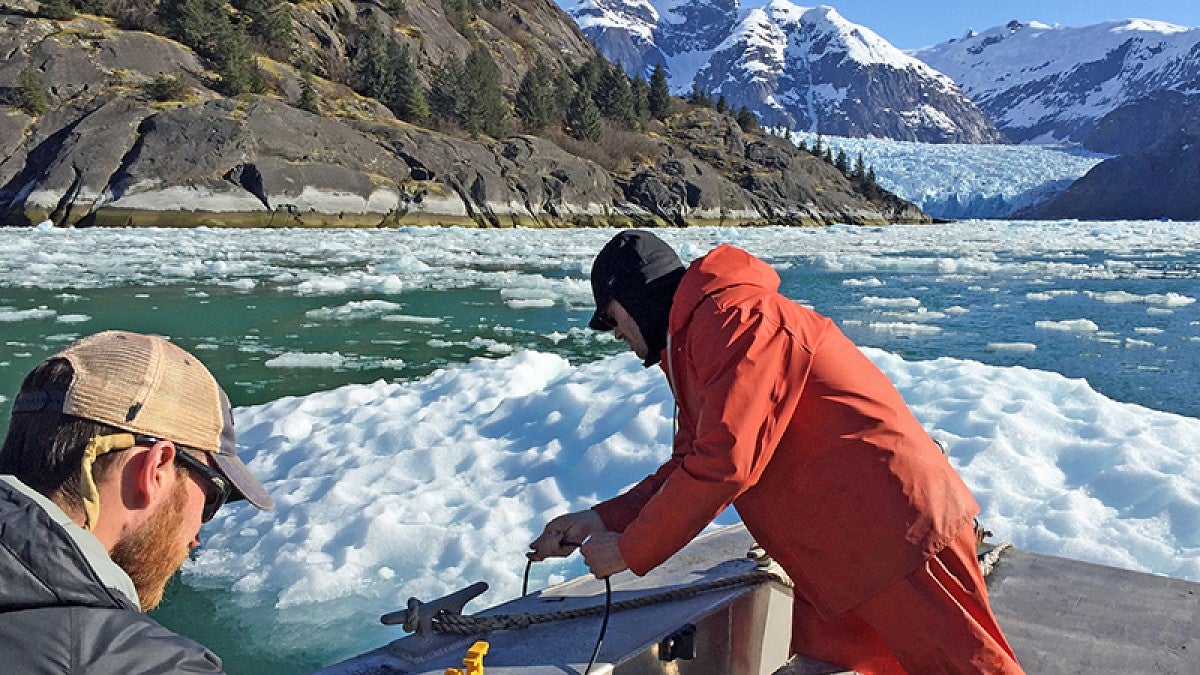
569,527
602,555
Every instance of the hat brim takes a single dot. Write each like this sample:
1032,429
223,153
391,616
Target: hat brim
599,322
245,485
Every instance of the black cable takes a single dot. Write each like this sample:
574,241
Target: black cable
603,624
529,565
607,606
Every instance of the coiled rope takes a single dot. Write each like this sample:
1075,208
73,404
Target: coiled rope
987,561
458,624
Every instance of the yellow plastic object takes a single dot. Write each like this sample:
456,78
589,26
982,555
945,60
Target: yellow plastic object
473,662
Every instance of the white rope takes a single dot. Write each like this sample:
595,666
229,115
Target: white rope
987,561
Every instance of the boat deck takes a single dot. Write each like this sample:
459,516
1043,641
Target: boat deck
1061,616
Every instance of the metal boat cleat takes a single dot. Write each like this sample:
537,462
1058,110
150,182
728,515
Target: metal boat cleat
418,619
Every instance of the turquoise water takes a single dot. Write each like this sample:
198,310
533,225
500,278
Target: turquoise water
1141,351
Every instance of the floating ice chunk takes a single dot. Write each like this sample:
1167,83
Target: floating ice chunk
1013,346
12,315
1070,325
873,301
73,318
307,360
359,309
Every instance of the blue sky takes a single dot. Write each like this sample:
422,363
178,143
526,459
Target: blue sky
909,24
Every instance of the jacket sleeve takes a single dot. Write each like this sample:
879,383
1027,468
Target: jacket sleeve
618,512
122,641
746,375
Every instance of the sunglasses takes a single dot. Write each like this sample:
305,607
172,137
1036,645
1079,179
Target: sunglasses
605,319
217,487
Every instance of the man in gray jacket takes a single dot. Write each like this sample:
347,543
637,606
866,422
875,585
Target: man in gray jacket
119,447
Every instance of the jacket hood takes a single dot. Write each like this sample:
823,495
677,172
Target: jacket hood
641,272
722,268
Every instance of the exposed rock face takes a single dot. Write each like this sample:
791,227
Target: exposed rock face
1157,184
105,154
1141,124
517,34
1157,173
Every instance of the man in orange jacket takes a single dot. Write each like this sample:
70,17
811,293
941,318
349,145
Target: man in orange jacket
782,416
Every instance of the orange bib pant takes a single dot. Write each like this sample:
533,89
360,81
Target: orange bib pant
904,629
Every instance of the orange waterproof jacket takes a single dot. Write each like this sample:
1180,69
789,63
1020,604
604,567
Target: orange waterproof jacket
783,417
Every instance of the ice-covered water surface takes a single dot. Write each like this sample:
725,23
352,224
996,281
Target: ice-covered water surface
478,406
386,491
544,265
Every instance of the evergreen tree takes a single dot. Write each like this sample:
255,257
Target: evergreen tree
445,93
132,14
583,117
207,27
860,171
841,162
818,148
535,101
658,99
564,88
59,10
722,104
746,120
639,91
458,13
406,98
270,22
482,108
31,94
165,88
235,63
373,73
591,73
308,94
700,97
395,8
614,98
196,23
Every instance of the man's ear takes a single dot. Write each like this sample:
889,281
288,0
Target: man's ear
150,472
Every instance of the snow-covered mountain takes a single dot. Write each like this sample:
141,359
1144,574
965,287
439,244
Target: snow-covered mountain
1043,83
806,68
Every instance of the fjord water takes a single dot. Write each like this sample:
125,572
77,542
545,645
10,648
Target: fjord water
280,314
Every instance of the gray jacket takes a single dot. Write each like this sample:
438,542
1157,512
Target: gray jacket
65,607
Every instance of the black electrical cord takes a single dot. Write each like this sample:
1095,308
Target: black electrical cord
607,606
603,624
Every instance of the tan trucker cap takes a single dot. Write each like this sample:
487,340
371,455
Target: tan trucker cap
147,385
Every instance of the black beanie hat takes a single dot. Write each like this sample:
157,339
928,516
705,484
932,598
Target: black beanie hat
641,272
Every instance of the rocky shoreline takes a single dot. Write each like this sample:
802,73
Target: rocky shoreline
103,153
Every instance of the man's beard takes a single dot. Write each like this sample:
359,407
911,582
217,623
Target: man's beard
151,554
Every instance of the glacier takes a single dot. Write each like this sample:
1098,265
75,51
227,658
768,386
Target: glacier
958,182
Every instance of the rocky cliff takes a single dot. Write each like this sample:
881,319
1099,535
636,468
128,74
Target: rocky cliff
101,149
1156,173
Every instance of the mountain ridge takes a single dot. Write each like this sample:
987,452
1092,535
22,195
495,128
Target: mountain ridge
1044,83
805,68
